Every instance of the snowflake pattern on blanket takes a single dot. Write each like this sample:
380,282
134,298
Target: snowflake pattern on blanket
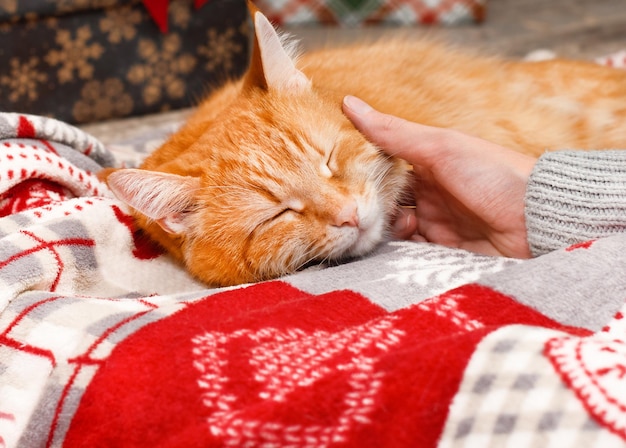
105,341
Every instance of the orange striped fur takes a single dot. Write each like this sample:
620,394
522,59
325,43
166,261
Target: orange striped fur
268,174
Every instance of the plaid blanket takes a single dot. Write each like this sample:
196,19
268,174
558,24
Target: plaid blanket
105,341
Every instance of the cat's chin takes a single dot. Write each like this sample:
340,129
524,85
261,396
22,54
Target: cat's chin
366,240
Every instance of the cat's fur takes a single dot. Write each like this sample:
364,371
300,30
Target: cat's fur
268,174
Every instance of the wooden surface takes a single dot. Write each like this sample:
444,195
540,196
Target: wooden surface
513,28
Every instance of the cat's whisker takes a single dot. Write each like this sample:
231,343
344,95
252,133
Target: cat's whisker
310,260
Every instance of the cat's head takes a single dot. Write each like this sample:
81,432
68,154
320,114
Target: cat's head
278,178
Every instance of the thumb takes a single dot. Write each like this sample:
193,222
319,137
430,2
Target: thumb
394,135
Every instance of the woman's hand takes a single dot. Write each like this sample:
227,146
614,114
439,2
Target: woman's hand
469,193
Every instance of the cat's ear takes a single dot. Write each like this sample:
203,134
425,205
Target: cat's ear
271,65
163,197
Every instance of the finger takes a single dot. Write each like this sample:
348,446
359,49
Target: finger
418,238
394,135
405,224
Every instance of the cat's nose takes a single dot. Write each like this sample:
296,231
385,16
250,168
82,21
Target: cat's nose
347,215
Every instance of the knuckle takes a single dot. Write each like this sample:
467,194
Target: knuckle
389,124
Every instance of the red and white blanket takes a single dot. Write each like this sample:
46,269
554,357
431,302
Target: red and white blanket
105,341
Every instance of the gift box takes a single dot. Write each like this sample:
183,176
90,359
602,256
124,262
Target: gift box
362,12
90,60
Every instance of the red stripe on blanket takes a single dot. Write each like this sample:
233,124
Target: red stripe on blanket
270,364
5,339
145,248
25,128
49,246
49,147
30,193
86,359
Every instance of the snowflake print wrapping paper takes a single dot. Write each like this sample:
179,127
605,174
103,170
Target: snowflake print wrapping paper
83,61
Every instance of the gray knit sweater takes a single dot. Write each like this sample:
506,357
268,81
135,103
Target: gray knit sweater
575,196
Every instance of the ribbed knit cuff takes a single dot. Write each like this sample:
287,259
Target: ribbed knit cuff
575,196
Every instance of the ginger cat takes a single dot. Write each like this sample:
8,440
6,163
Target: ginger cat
268,174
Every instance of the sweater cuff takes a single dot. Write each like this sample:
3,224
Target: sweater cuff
575,196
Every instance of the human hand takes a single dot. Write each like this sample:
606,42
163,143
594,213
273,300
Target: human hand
469,193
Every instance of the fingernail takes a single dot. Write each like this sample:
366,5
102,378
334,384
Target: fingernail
356,105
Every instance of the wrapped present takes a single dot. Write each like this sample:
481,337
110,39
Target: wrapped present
360,12
91,60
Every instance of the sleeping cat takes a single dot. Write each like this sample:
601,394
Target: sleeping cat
269,175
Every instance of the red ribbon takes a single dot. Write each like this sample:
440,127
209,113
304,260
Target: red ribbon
158,11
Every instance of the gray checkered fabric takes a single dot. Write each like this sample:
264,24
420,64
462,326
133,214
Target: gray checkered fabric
511,396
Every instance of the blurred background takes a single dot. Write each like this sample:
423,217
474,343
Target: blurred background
128,68
570,28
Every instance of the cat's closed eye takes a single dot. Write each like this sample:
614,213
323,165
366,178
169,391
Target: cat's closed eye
284,214
295,205
330,166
